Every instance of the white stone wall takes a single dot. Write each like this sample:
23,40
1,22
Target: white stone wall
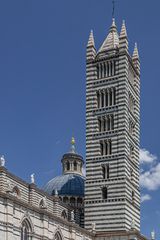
44,222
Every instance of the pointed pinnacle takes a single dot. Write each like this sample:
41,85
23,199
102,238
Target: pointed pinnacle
91,40
123,30
113,26
113,22
135,52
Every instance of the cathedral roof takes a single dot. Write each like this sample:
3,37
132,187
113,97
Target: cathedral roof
67,184
112,40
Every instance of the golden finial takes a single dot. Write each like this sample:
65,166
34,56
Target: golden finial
73,145
73,141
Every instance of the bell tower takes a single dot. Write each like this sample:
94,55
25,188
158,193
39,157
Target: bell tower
112,196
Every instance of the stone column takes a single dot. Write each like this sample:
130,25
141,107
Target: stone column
104,97
106,69
104,124
109,66
112,96
100,99
112,68
104,148
109,121
108,92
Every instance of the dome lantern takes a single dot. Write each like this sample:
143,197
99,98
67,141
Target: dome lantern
72,162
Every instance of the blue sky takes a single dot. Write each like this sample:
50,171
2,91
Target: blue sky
42,85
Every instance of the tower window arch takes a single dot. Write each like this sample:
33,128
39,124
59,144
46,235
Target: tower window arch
101,148
105,171
106,147
133,196
104,193
106,97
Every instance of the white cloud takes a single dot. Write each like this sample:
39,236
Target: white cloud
146,156
145,197
151,179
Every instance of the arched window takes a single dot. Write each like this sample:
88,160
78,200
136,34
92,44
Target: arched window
68,166
107,170
111,122
104,124
75,165
57,236
104,192
65,199
26,230
103,172
131,173
101,148
79,202
106,148
99,125
72,200
133,196
98,99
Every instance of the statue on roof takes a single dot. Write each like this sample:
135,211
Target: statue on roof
32,178
2,161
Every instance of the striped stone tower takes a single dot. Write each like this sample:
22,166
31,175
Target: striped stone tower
112,196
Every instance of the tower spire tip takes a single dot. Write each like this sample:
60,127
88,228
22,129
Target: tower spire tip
135,52
91,39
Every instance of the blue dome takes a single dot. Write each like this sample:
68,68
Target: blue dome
67,184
